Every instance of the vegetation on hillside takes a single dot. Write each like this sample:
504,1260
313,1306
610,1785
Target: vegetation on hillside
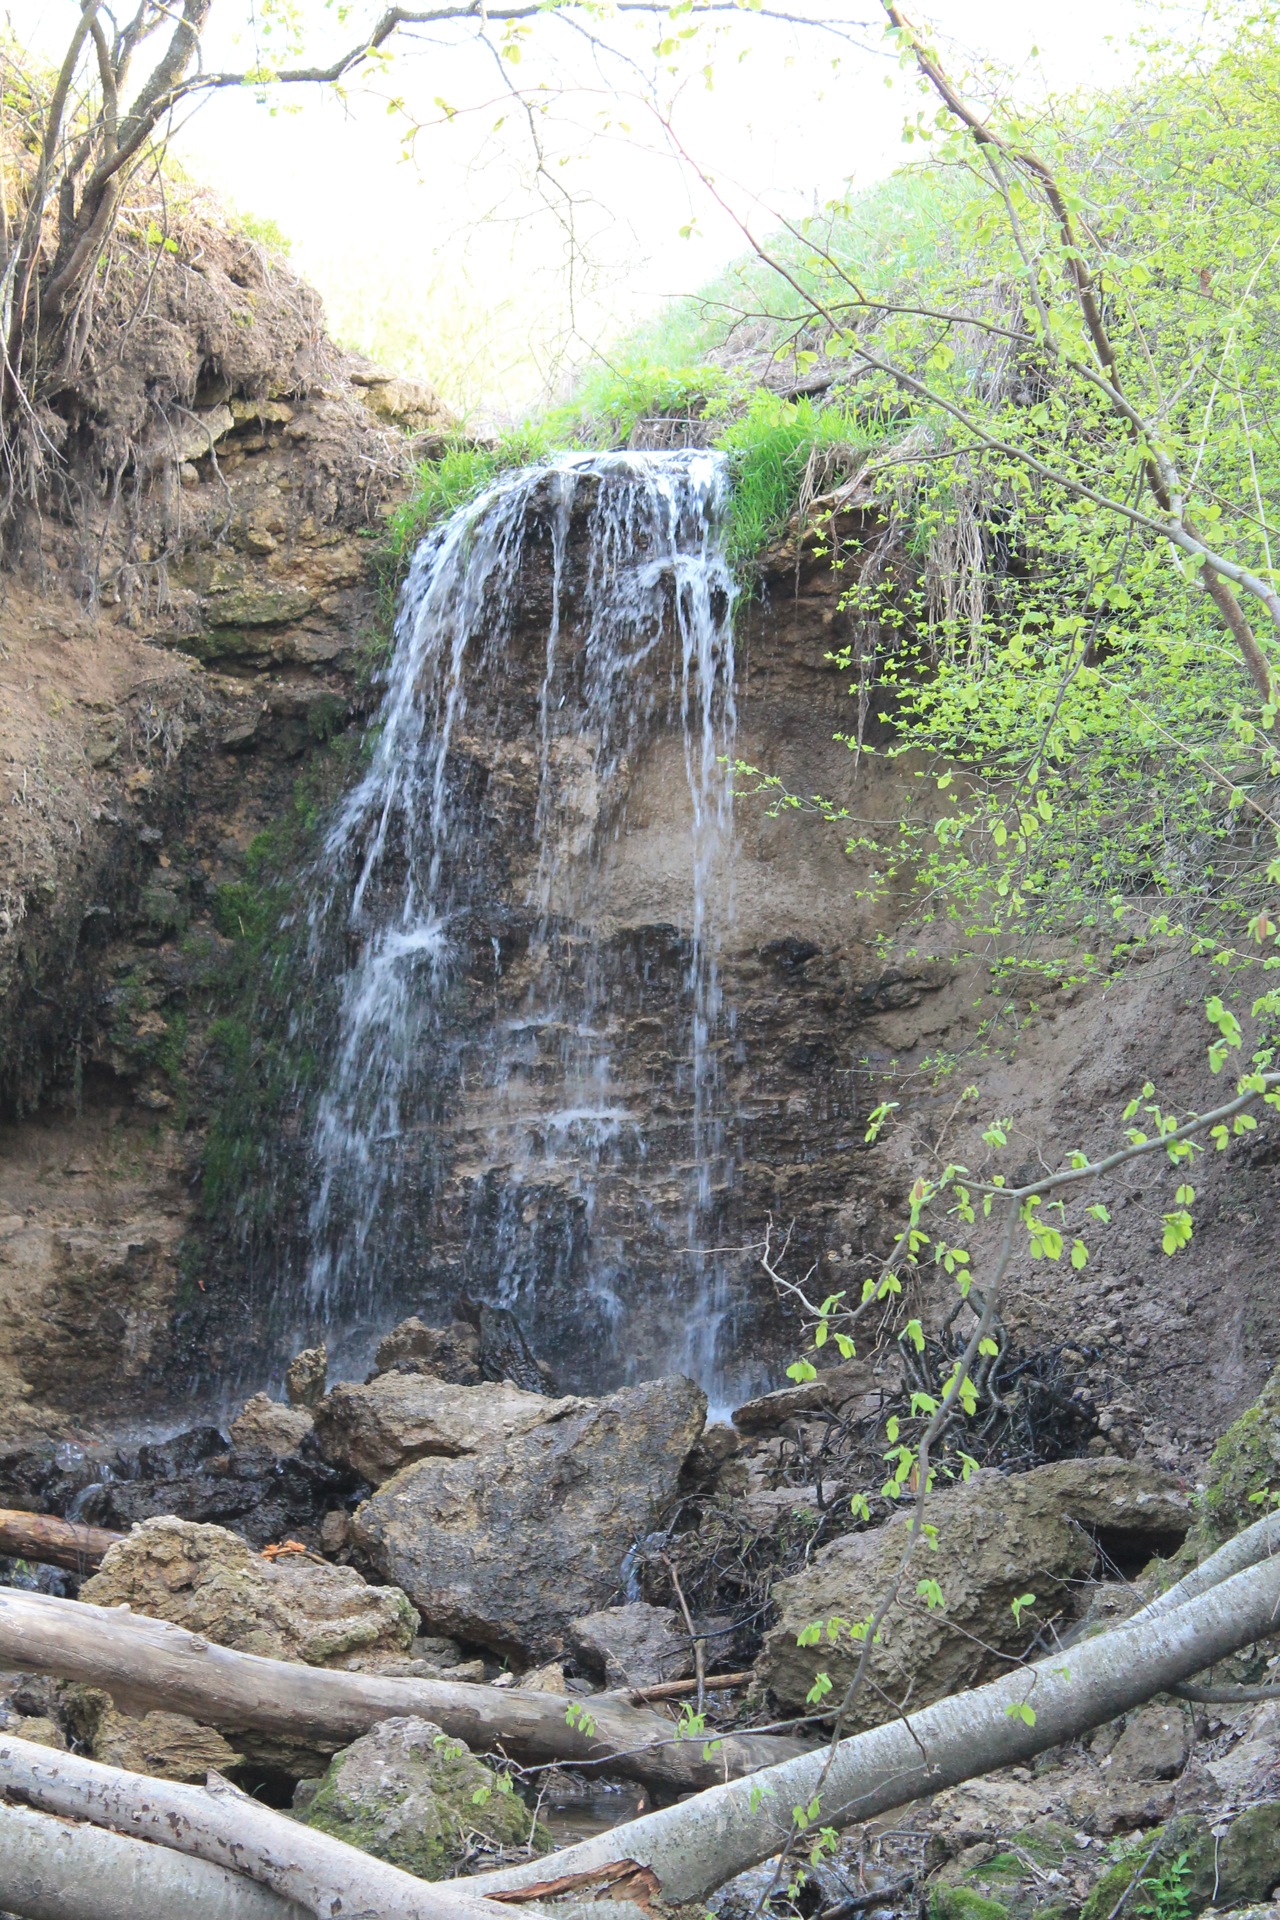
1048,357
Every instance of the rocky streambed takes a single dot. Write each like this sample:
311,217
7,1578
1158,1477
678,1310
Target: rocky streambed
437,1525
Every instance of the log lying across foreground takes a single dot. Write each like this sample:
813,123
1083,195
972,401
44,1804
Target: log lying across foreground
53,1542
223,1828
54,1869
147,1664
688,1849
682,1852
696,1846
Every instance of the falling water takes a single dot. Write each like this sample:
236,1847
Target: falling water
618,558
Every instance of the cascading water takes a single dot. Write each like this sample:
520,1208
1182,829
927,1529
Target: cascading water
480,1125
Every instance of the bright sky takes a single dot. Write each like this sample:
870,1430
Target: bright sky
452,264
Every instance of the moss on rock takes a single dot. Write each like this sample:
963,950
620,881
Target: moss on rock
962,1903
1246,1461
407,1793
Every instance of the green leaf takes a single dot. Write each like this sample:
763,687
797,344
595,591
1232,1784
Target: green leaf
1177,1231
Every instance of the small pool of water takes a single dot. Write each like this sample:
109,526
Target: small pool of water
578,1810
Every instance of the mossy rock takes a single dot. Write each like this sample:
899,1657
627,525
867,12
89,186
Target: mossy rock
1114,1882
1049,1843
1245,1461
1243,1865
1231,1870
962,1903
409,1794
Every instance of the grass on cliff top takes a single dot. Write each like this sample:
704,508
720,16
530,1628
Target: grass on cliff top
770,443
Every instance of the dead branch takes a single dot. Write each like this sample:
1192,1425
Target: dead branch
54,1542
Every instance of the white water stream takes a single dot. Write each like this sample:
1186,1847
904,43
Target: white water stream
636,618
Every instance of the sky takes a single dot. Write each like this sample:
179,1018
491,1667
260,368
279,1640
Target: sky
447,255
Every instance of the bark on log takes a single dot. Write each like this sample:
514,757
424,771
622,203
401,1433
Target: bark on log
1244,1549
55,1869
698,1845
219,1824
54,1542
146,1663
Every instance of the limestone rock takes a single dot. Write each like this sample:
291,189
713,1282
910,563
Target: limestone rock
39,1729
833,1390
1154,1744
397,1417
450,1353
547,1679
268,1425
407,1793
632,1646
169,1746
408,404
505,1354
305,1377
505,1546
290,1608
998,1537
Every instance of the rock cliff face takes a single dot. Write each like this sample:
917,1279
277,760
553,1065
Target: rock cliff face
181,636
201,673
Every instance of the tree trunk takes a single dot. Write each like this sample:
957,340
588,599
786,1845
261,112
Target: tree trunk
52,1869
152,1664
57,1543
1244,1549
219,1824
697,1845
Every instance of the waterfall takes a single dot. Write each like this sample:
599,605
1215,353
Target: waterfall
477,1121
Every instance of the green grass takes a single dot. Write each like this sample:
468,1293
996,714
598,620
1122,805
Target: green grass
768,441
769,447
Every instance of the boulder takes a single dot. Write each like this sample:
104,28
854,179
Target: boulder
396,1418
168,1746
407,1793
290,1607
1154,1745
998,1537
450,1353
833,1390
632,1646
293,1607
269,1426
305,1376
506,1545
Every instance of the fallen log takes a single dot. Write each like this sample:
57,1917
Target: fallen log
53,1542
1244,1549
56,1869
148,1664
676,1689
219,1824
696,1846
